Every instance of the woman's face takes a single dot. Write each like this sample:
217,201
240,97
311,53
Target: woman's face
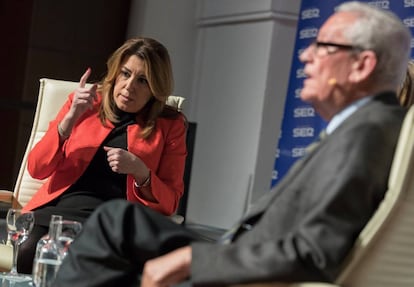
131,91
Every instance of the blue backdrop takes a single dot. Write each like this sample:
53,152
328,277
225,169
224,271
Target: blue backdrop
301,125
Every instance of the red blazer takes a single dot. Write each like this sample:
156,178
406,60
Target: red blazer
163,152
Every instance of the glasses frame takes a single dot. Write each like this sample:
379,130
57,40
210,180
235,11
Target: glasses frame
316,45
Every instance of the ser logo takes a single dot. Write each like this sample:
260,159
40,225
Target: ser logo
409,22
308,33
408,3
297,93
277,153
303,132
380,4
300,74
275,175
298,152
306,112
300,51
310,13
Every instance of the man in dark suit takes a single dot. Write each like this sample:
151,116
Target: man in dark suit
304,228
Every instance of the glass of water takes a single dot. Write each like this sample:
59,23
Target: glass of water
19,226
70,230
52,249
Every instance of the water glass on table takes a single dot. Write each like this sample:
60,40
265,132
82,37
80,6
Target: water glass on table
70,230
19,225
52,248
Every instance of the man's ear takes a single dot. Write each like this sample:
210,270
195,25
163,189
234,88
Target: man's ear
363,66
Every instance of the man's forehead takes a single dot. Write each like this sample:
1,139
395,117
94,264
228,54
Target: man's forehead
335,25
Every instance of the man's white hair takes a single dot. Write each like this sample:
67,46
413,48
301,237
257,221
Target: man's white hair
384,33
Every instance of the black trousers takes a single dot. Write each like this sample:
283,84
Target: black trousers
115,242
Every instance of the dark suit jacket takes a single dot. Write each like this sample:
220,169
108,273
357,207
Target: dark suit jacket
304,228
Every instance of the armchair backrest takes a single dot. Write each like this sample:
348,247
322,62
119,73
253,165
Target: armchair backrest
52,96
383,255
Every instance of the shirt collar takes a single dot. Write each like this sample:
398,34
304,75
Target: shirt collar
340,117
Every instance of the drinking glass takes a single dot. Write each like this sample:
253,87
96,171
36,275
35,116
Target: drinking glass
19,225
52,248
70,230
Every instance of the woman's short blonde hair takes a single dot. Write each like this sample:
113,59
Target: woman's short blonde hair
158,72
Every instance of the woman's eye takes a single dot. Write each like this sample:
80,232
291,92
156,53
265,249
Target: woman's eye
142,80
125,74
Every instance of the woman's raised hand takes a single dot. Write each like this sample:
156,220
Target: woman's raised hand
84,96
82,100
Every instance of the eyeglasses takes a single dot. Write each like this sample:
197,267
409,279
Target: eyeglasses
321,49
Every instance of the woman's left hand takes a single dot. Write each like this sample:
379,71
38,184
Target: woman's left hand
122,161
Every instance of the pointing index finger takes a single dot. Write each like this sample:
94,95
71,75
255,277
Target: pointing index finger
84,78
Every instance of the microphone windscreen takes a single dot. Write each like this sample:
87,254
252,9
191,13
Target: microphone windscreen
332,81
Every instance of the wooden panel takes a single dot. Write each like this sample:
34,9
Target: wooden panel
54,39
15,17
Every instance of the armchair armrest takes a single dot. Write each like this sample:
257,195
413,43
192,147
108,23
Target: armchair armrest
7,200
6,196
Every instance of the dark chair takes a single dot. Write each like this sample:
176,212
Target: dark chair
190,141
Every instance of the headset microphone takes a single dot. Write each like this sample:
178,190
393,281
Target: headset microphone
332,82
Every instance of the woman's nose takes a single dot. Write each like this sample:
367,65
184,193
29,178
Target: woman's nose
130,84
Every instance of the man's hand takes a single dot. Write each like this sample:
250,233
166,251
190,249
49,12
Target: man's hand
168,269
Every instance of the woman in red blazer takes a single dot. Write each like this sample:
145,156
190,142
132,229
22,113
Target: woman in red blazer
117,139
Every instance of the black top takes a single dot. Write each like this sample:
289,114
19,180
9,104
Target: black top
96,185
